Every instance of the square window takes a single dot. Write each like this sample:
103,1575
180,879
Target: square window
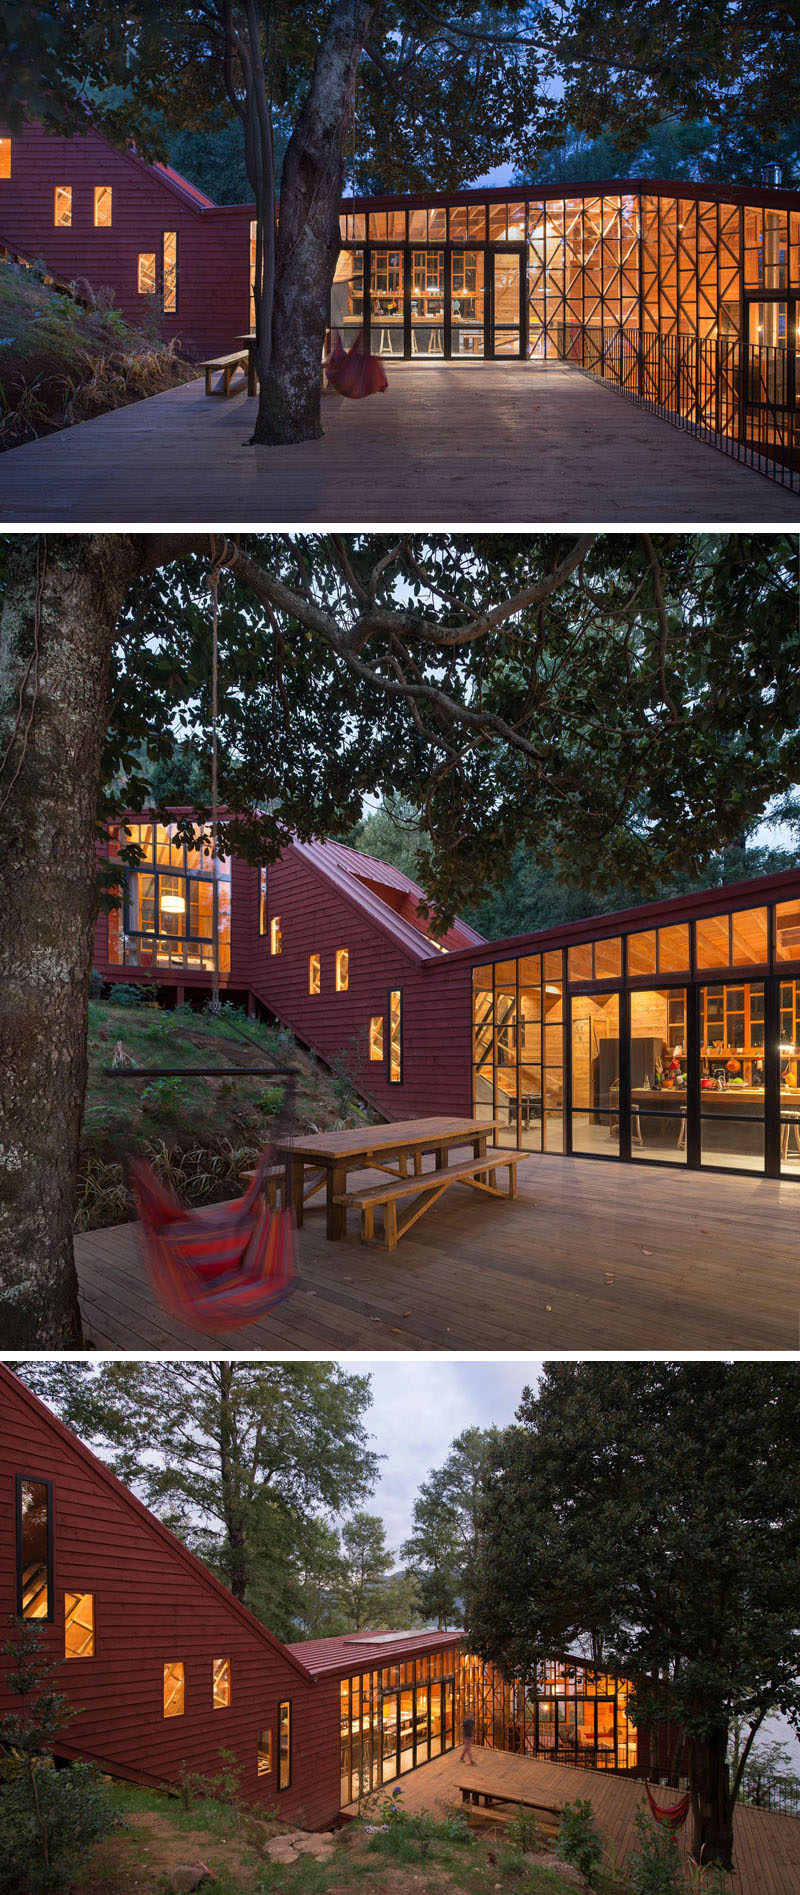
342,970
146,273
102,206
376,1036
174,1689
221,1671
62,210
79,1625
264,1753
314,974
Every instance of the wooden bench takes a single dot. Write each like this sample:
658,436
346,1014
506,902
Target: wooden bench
227,364
487,1806
275,1181
479,1173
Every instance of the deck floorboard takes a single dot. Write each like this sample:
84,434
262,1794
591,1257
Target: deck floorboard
588,1257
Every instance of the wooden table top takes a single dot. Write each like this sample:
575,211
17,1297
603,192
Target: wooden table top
750,1094
403,1134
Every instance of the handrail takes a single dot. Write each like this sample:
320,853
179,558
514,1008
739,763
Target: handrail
200,1072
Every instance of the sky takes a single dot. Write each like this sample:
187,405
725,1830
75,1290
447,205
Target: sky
419,1405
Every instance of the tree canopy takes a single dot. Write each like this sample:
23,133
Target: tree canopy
442,1548
666,1499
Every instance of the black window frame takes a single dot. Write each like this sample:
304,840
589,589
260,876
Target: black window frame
262,903
48,1617
284,1705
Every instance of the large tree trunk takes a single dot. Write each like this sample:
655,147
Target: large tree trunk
712,1807
307,242
59,616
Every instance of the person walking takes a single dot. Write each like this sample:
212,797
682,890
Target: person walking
467,1739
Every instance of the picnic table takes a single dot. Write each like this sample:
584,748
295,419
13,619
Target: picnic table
382,1147
494,1803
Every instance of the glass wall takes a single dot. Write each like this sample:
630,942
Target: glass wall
660,262
171,902
393,1719
683,1043
566,1711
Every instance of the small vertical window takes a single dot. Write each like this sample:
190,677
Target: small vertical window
34,1548
262,901
174,1689
275,935
253,274
284,1745
376,1036
314,974
170,260
5,157
264,1753
79,1625
342,970
146,274
102,206
395,1036
222,1683
62,211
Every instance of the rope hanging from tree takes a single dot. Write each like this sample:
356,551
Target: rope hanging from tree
672,1816
213,583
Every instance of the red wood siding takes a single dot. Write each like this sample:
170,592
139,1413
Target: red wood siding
213,244
155,1604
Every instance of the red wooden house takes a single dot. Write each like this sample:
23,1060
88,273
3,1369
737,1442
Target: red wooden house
93,212
666,1034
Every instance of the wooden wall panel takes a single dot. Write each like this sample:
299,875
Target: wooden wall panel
154,1604
213,244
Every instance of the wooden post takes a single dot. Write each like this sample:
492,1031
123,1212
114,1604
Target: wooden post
336,1182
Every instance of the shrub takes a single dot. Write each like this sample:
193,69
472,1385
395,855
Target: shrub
523,1831
97,985
163,1098
48,1817
578,1839
270,1101
195,1786
123,993
654,1865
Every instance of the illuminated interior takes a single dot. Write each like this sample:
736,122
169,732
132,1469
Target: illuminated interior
566,1711
677,1044
221,1682
79,1625
174,1689
171,900
393,1719
34,1542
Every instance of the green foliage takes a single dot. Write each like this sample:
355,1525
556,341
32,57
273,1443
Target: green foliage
523,1831
579,1839
123,993
647,1487
444,1543
270,1101
97,985
48,1817
654,1864
163,1098
223,1787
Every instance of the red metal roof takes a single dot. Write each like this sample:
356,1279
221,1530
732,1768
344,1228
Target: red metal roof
363,1651
344,868
182,184
775,196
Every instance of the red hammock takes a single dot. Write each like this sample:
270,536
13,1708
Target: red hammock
217,1268
355,373
672,1815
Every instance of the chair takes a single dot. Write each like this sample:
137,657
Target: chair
789,1121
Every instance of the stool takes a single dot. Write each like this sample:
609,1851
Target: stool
682,1130
636,1128
790,1121
435,346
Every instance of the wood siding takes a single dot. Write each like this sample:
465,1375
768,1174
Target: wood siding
154,1604
213,296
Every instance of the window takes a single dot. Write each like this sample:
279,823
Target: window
596,960
102,205
174,1689
264,1753
170,273
62,209
169,904
5,157
314,974
284,1745
262,901
34,1548
146,273
787,931
79,1625
221,1670
395,1037
342,970
376,1036
275,936
253,231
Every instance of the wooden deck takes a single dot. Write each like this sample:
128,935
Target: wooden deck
506,442
588,1257
767,1847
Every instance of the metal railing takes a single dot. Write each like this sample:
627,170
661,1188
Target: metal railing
740,397
768,1792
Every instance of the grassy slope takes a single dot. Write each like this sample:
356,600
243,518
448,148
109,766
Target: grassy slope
61,362
202,1132
159,1835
